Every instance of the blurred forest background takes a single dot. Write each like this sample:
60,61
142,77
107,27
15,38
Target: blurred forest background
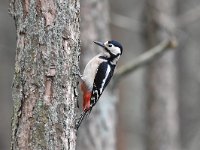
129,21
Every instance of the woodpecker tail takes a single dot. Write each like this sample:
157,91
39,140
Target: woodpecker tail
86,104
79,121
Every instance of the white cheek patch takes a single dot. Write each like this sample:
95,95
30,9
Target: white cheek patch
115,50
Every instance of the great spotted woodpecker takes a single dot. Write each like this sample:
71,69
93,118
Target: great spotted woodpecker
97,75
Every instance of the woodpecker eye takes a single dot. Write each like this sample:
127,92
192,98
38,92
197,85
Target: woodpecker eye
109,45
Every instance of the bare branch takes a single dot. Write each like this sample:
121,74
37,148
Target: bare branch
145,58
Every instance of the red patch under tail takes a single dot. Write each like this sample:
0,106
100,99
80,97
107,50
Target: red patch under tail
86,97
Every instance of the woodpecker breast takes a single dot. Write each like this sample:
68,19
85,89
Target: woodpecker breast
90,71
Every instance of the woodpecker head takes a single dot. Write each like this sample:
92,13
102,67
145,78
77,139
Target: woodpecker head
113,48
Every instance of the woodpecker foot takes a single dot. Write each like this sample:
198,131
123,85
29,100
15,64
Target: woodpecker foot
78,74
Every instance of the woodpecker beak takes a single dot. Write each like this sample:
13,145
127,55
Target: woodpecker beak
100,44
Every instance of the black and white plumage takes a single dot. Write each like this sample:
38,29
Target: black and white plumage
102,78
98,73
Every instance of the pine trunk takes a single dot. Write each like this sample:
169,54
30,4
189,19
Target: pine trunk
44,84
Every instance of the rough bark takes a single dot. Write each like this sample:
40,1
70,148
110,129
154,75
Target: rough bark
161,78
98,130
44,84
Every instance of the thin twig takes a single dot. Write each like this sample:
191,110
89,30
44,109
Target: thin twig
144,58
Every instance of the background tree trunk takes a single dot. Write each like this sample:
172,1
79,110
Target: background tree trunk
131,127
189,75
161,78
44,85
98,131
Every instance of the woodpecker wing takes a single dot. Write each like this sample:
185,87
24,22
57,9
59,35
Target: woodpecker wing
102,78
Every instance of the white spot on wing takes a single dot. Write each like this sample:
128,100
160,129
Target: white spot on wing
104,80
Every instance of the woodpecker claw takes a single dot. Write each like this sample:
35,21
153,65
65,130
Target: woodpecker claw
78,74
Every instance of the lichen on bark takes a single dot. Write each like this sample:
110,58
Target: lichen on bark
44,83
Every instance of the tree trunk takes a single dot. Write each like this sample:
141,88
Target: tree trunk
44,84
189,75
162,82
98,131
